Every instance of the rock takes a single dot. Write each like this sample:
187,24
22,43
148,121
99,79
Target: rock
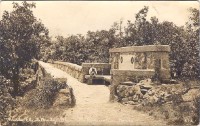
167,97
64,91
172,81
124,100
139,94
153,99
131,92
136,88
123,87
62,99
132,103
190,95
146,81
116,98
177,98
121,94
130,98
143,91
118,91
126,93
128,83
145,84
146,96
135,98
151,92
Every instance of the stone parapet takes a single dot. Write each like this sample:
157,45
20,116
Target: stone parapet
72,69
130,75
102,68
79,72
146,48
65,96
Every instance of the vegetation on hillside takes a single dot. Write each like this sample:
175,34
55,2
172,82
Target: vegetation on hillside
94,47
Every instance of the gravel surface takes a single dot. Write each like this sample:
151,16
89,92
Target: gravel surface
93,106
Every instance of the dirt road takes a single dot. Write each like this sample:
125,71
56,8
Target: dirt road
93,106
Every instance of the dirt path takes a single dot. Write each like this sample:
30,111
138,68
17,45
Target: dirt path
93,106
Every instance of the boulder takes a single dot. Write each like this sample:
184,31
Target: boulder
136,88
145,84
62,100
121,94
120,88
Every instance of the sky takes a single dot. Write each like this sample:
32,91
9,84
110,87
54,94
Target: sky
77,17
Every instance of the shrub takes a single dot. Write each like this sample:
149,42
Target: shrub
44,95
6,101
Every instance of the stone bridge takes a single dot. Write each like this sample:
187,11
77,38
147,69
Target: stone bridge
93,106
92,101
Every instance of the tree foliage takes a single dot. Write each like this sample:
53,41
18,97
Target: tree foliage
21,38
183,41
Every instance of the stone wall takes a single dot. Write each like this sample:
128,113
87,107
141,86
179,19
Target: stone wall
72,69
79,72
144,92
65,97
151,57
119,76
102,68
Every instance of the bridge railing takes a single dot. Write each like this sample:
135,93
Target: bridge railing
72,69
79,72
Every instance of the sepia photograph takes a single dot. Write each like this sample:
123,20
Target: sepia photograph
99,63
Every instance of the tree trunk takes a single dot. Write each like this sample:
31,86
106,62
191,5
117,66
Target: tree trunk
15,80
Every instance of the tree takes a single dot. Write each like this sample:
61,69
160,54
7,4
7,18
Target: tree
191,67
183,41
142,31
143,27
98,44
74,49
21,38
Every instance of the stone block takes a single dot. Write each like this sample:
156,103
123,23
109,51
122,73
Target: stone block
64,91
62,100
